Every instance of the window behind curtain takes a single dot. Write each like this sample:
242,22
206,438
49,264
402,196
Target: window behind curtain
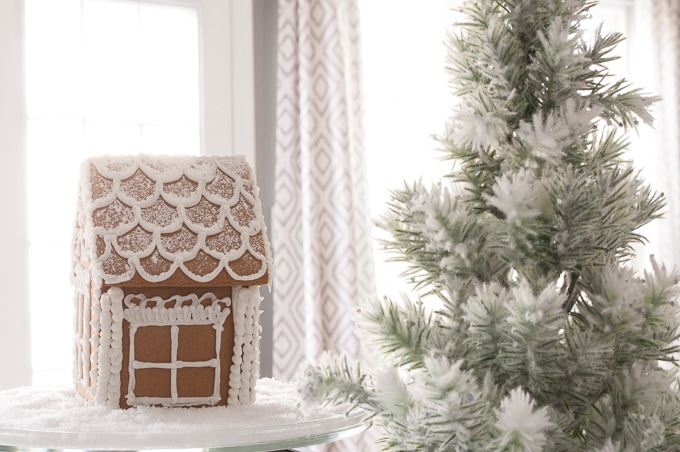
102,77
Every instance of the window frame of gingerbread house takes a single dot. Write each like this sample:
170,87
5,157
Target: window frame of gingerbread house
139,315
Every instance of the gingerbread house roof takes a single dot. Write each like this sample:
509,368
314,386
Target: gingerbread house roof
173,220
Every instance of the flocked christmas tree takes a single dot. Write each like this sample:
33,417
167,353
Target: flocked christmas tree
545,339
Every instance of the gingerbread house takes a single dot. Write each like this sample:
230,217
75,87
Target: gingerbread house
169,254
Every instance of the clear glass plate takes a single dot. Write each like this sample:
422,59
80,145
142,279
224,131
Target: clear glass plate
57,419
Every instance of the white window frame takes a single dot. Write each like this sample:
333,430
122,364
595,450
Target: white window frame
228,127
228,93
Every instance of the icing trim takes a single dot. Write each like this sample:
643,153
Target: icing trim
81,317
227,183
174,312
245,366
110,344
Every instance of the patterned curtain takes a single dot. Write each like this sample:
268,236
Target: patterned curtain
321,234
657,46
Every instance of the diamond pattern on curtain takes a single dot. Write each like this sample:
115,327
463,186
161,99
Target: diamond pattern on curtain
321,235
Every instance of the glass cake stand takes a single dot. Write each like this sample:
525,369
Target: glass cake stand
272,431
285,436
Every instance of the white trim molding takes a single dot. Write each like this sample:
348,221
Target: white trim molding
228,75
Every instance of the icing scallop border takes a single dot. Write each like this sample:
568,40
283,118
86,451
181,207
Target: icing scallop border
200,170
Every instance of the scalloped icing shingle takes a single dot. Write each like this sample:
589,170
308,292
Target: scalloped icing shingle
171,218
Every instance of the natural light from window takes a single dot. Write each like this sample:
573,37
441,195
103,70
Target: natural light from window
407,102
102,77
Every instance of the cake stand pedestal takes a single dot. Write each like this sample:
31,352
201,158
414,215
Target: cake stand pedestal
57,419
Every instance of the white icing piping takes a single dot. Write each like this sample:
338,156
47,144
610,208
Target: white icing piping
81,318
137,267
174,338
245,361
200,170
110,344
95,335
139,314
160,314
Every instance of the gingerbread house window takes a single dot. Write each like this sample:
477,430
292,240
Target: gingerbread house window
165,368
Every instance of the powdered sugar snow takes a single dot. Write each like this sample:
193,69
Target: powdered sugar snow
59,418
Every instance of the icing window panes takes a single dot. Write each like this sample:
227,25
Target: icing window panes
102,77
171,326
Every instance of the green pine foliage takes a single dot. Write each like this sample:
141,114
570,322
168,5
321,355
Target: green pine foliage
544,339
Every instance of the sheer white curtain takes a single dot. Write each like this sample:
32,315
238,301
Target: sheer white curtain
655,66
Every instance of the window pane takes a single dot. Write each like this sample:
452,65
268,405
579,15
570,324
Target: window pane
51,314
160,140
111,60
169,57
112,138
53,46
407,102
54,150
614,17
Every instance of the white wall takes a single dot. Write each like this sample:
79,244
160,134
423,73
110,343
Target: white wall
15,368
